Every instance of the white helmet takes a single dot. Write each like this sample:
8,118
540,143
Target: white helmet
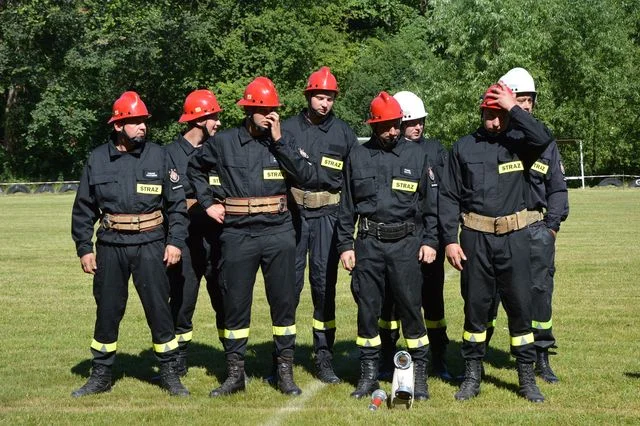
519,81
411,104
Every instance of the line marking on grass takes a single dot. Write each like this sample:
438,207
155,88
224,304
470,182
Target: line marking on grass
296,404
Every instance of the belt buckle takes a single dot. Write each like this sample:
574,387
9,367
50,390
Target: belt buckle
282,204
365,224
378,236
304,198
497,228
106,223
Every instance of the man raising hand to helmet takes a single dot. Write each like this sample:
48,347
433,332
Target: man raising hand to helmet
243,170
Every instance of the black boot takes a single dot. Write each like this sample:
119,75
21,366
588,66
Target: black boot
470,387
543,368
528,388
324,369
285,374
235,377
170,381
420,387
367,383
99,381
181,361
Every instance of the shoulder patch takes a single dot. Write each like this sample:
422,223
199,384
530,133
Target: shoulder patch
174,176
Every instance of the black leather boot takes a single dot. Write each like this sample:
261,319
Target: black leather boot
235,377
420,387
543,368
470,387
324,368
170,380
285,374
527,378
99,382
367,383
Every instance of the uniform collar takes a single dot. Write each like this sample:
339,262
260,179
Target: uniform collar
186,145
378,148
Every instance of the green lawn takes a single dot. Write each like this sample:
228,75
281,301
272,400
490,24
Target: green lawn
48,312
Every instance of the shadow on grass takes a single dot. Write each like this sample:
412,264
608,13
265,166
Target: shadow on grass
632,375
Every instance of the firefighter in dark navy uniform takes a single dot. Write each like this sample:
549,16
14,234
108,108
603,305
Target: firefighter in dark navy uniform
249,165
128,184
325,141
486,188
202,253
386,191
549,195
413,122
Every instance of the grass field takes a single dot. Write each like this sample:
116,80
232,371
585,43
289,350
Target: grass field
48,312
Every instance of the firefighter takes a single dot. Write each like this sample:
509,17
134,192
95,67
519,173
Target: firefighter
202,252
413,120
247,166
386,191
325,141
485,187
548,194
128,184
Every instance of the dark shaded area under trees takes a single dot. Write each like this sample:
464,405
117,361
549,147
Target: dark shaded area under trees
63,63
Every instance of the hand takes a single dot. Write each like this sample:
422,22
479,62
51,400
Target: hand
502,96
348,259
426,254
274,125
455,255
216,212
88,263
554,233
172,255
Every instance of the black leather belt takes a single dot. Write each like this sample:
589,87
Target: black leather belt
385,231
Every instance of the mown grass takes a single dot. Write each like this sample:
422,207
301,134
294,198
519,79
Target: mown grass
48,312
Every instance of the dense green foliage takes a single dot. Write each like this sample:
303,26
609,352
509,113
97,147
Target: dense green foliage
63,63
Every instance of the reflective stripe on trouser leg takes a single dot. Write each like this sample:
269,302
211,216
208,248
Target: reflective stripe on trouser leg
323,276
278,268
110,290
240,261
103,353
542,273
152,284
512,265
367,288
389,330
433,302
185,337
324,335
477,287
405,281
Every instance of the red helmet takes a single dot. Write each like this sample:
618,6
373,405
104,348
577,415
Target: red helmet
128,105
260,92
384,107
199,103
322,80
488,100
